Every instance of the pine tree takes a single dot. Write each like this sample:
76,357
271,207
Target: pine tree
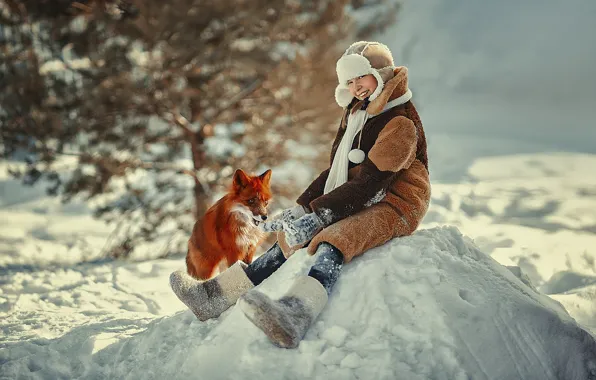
158,102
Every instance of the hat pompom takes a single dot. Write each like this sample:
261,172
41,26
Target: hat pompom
343,97
356,156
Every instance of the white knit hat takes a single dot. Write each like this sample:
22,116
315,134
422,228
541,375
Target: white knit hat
363,58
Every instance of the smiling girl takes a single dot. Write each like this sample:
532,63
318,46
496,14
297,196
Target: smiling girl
376,188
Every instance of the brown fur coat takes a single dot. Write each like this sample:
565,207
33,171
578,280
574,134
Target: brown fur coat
388,194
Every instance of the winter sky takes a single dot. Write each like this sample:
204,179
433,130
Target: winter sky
520,73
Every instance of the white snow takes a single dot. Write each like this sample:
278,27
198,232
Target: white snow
55,65
506,91
376,198
426,306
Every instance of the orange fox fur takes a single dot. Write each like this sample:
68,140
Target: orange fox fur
228,231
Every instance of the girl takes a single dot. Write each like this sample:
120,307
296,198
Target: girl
376,188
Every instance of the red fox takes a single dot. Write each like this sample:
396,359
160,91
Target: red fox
228,231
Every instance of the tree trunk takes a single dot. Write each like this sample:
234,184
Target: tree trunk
197,160
200,200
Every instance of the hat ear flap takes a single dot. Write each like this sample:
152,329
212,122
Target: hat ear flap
343,97
387,73
380,85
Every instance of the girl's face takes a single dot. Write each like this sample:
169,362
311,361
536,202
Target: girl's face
363,86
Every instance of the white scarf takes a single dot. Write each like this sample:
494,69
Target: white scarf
338,175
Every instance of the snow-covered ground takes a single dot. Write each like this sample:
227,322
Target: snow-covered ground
430,306
536,211
506,92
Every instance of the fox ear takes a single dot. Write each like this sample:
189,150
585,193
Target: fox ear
240,179
265,177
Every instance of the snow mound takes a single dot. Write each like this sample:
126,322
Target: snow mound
428,306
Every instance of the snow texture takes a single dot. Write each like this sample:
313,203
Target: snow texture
376,198
429,306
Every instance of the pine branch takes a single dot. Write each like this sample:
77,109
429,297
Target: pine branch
194,65
235,99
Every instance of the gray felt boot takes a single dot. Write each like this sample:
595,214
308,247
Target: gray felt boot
208,299
286,321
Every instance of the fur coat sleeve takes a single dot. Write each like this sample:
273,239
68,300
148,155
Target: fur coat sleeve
314,190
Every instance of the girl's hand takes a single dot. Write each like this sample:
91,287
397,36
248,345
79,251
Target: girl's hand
302,230
287,216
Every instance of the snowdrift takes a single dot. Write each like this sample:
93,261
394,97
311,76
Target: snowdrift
428,306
